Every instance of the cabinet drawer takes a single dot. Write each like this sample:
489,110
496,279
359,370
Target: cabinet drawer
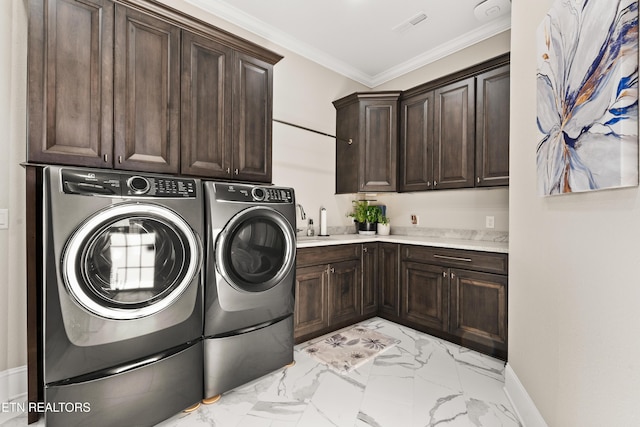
327,254
473,260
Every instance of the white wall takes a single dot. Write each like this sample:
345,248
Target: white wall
13,306
574,293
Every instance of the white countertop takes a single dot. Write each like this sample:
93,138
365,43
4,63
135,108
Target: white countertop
441,242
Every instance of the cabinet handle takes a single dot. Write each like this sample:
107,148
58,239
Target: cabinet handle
332,270
228,171
452,275
350,141
428,183
435,182
365,249
444,274
478,180
106,158
452,258
119,159
236,171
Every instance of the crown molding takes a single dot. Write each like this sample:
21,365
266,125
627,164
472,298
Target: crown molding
274,35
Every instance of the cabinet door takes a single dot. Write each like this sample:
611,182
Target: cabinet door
311,309
378,154
252,117
347,148
370,275
492,127
454,139
416,143
70,71
147,92
389,287
205,107
479,309
425,295
345,288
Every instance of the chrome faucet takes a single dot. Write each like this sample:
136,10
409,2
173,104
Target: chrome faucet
302,214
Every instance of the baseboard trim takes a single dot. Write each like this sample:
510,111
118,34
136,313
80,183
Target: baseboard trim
521,401
13,384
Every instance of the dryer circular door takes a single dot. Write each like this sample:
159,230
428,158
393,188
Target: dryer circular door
130,261
256,249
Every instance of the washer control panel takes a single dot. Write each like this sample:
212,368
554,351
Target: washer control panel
252,194
117,184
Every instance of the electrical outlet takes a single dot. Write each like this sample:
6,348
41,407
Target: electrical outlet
490,221
414,219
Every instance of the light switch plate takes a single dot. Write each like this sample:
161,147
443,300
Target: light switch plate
4,219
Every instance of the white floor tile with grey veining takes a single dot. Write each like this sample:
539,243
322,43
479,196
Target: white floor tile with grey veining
421,382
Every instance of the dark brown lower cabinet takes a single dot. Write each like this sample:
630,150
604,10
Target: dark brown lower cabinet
457,295
425,295
479,310
328,290
370,282
389,280
311,313
467,305
345,288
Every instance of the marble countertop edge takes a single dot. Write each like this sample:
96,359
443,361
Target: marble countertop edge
441,242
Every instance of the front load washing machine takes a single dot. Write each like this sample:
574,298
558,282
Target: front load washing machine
122,297
249,283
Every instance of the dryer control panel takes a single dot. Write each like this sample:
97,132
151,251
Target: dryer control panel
129,185
252,194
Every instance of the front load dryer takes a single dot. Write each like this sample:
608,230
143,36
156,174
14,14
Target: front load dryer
249,283
122,296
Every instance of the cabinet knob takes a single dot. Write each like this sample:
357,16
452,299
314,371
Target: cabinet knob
365,249
350,141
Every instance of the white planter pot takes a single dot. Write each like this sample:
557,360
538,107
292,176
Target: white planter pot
384,229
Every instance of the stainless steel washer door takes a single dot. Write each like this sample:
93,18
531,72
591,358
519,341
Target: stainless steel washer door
130,261
256,249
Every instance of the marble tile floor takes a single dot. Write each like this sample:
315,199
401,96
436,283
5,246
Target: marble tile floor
422,382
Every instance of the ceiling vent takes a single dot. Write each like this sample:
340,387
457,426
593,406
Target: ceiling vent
410,23
491,9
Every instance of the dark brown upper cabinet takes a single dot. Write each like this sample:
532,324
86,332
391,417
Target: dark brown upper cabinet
453,140
367,142
252,118
138,86
207,67
147,93
492,127
454,132
70,82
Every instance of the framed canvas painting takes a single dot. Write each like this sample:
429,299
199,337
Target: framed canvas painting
587,96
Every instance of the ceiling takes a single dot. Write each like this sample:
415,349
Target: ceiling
370,41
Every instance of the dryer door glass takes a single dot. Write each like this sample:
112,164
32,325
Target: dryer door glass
256,250
130,261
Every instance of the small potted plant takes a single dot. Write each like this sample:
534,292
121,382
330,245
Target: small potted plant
366,216
384,228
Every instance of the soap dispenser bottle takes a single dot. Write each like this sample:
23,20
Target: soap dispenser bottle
310,231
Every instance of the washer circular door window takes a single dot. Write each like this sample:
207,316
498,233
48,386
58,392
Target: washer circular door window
256,249
130,261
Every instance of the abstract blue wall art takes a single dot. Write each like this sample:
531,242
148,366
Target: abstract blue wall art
587,96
